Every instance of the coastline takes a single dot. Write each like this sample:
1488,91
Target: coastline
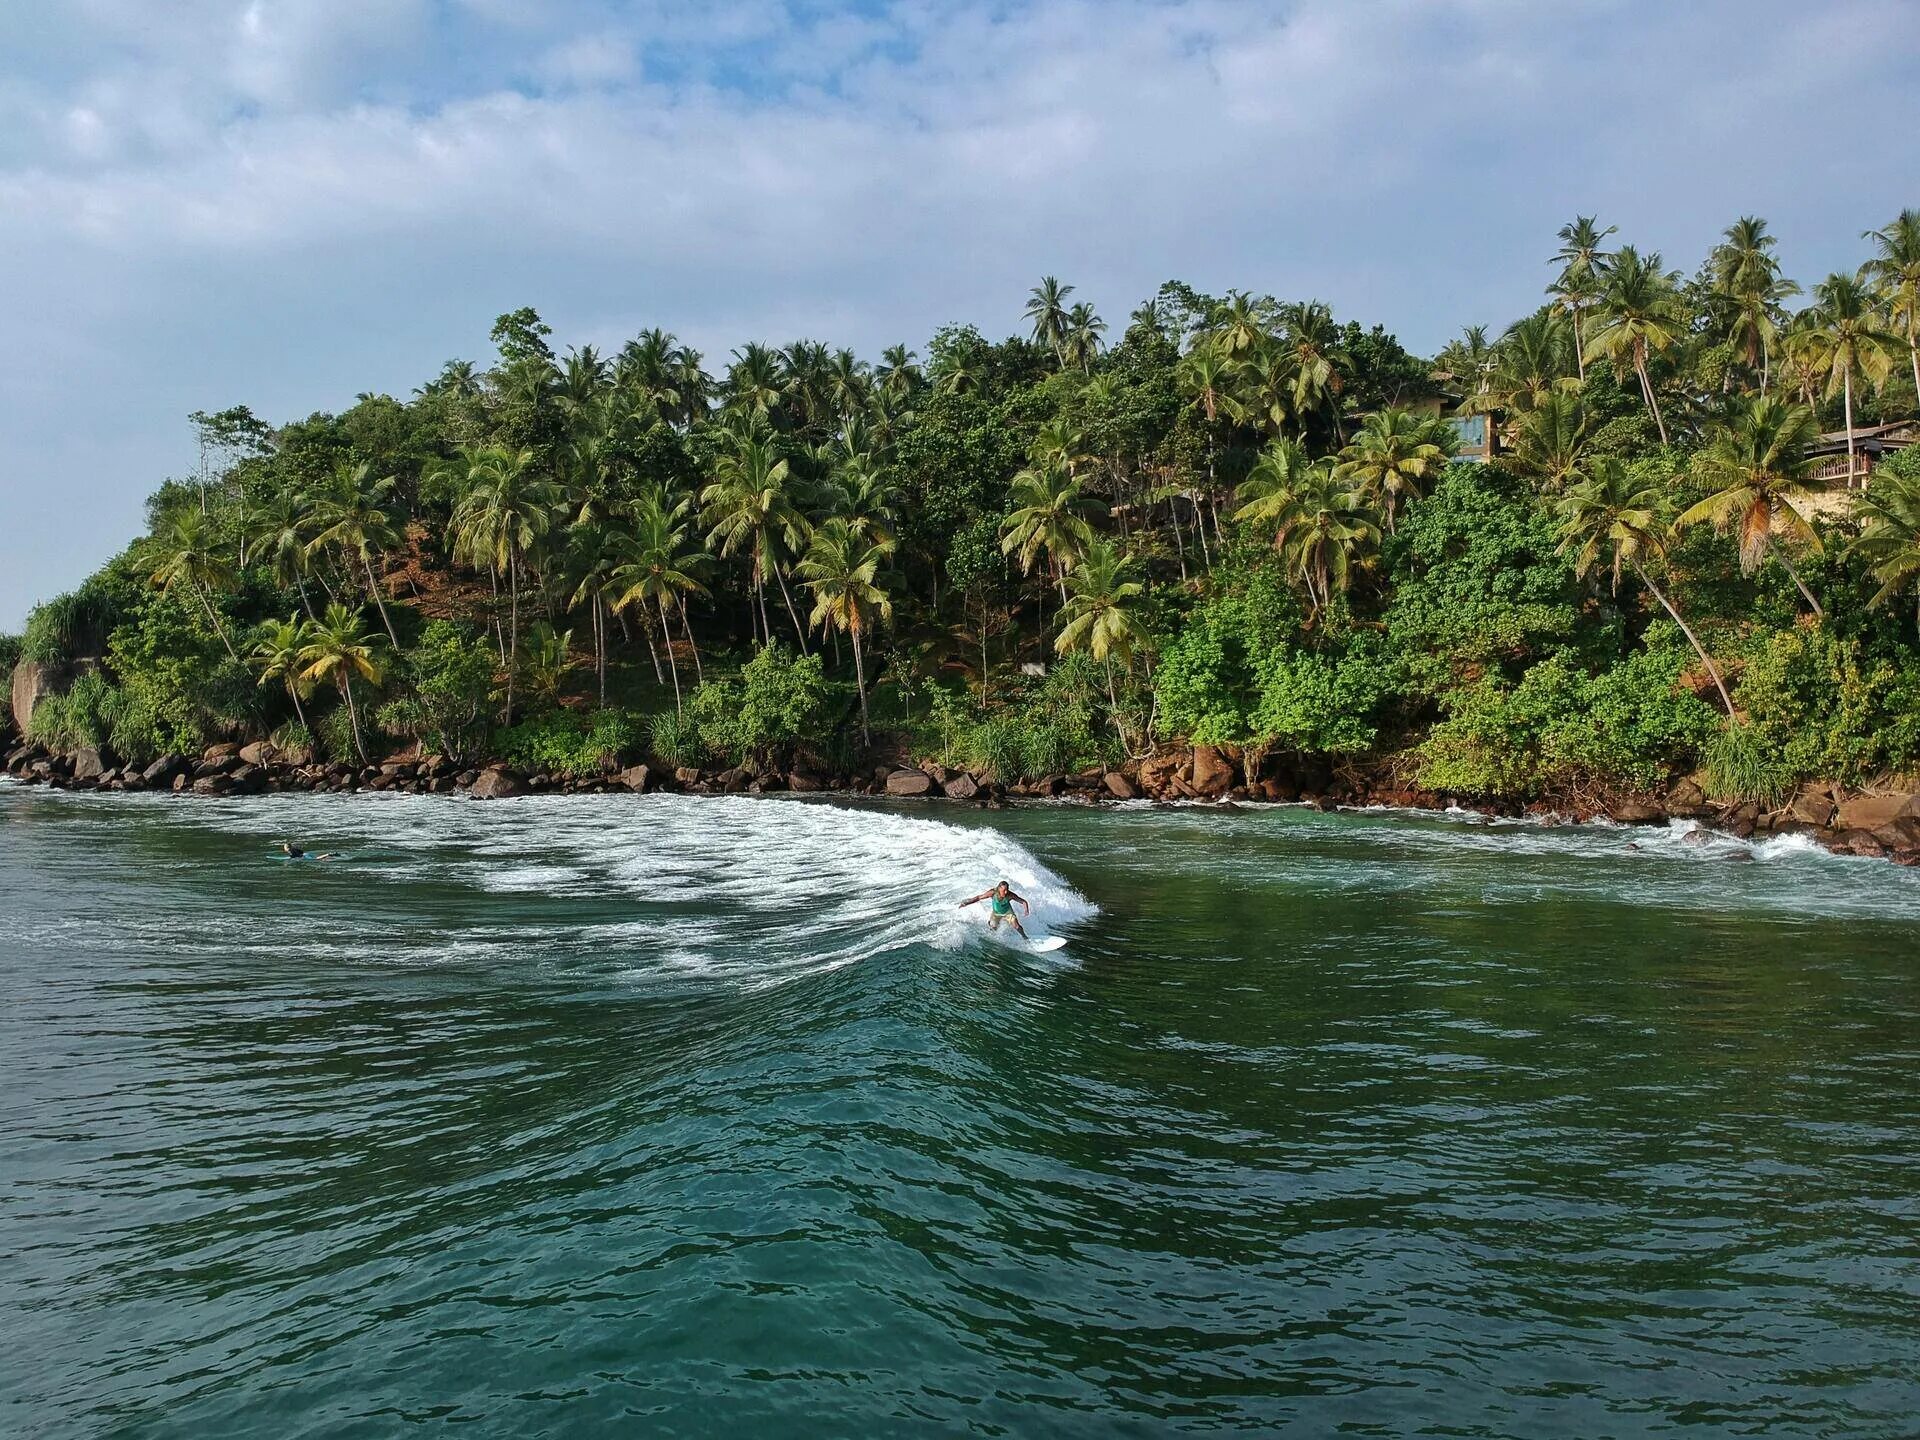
1881,824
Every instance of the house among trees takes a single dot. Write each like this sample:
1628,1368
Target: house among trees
1838,466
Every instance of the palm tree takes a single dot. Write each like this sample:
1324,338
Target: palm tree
1532,361
277,655
1206,377
277,532
591,556
1394,456
1757,464
898,377
1263,381
1317,362
190,553
337,649
753,504
1640,315
1844,338
1895,272
353,516
1047,309
1100,614
1551,443
1321,527
1242,324
1081,345
1583,266
1473,359
659,565
842,568
1890,537
501,519
1050,514
1615,515
754,385
1747,276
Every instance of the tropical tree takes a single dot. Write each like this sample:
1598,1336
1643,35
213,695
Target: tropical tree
1394,457
1844,338
1532,361
1890,536
277,655
1757,467
1895,273
1615,516
277,531
1550,443
337,649
354,516
660,565
1582,279
188,552
1047,309
501,519
842,568
1081,346
1050,515
1639,316
1316,362
1242,325
1321,526
753,505
1101,614
1746,276
898,378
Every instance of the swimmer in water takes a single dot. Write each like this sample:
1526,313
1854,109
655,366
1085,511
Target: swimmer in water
1001,908
294,852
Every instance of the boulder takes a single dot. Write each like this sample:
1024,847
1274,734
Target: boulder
961,787
803,783
247,779
1281,792
1211,775
496,783
215,765
162,771
1870,812
1812,807
1158,771
1686,799
211,785
92,763
258,752
636,778
1741,820
733,781
1859,842
226,750
686,776
909,782
1052,786
1639,811
1902,833
1120,787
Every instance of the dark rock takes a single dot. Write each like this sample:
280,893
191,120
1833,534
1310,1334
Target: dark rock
909,782
247,779
182,781
961,787
1686,799
464,780
211,785
1120,787
801,782
1812,807
1638,811
1052,786
225,750
258,752
1859,842
1281,792
1900,834
402,769
33,682
687,775
1741,819
216,765
636,778
497,784
1211,775
443,784
1737,855
90,763
1870,812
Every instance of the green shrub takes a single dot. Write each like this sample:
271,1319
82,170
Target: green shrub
779,703
675,740
333,737
452,676
71,626
563,743
1823,708
1324,703
293,737
1743,763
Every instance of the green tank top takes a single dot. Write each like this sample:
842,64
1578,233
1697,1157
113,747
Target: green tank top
1002,907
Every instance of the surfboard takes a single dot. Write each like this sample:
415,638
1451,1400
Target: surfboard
1047,944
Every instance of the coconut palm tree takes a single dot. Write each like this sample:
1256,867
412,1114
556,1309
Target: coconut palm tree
1321,526
500,521
1532,361
1472,359
1242,324
1394,456
1051,514
1582,280
1746,275
1550,444
1756,463
1890,536
1316,362
354,516
842,568
753,504
1263,389
1615,516
1047,309
658,564
1639,316
1081,347
1101,614
276,654
1845,338
898,378
277,532
754,384
338,649
188,552
1895,273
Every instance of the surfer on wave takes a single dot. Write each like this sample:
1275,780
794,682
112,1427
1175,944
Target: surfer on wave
1001,909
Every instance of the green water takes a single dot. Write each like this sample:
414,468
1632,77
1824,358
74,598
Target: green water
585,1117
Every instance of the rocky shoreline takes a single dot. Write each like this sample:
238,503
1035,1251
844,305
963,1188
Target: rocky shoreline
1877,824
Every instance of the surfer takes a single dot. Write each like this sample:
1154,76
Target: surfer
1001,908
294,852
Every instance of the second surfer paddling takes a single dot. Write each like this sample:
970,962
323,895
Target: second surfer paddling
1001,909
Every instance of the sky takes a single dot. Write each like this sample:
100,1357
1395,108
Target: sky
286,203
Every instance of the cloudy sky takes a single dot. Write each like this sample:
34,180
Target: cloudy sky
283,203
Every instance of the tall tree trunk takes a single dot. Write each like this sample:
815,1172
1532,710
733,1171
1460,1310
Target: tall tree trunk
513,628
353,716
218,628
600,643
860,684
1579,346
1787,564
666,636
1646,389
1847,384
1692,639
653,650
380,604
306,602
1179,541
792,614
686,628
499,635
299,710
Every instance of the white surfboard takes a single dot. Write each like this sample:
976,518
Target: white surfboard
1047,944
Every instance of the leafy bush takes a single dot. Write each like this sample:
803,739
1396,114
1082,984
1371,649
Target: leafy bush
561,742
1324,703
1208,682
780,701
1050,728
333,737
1742,763
71,626
675,740
293,738
178,678
1820,707
452,673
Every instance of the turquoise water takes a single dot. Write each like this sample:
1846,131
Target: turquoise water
621,1116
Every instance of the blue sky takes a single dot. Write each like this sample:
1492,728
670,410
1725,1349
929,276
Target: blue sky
283,203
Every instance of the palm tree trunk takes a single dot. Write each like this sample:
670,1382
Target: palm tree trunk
600,644
306,603
513,627
218,628
380,604
1579,347
699,670
791,613
860,684
1787,564
1646,389
353,715
1200,529
1687,630
1179,541
667,637
499,636
299,711
653,650
1847,384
